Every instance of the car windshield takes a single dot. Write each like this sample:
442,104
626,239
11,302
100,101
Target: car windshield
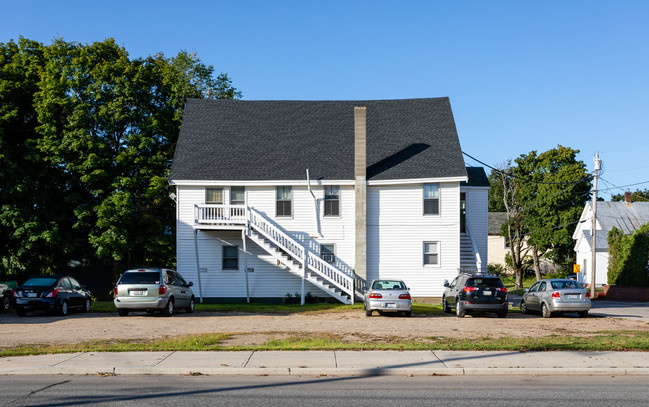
557,285
388,285
140,277
40,282
484,282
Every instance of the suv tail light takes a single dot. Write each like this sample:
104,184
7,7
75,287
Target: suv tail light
375,295
469,289
115,291
162,289
16,294
52,294
556,294
587,294
404,297
503,289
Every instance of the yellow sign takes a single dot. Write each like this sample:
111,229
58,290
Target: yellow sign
575,268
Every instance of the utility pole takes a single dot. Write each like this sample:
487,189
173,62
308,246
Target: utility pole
593,245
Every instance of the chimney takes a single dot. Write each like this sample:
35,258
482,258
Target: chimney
360,166
627,197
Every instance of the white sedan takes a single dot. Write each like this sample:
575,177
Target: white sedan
388,296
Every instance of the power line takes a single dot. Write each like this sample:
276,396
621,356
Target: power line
587,178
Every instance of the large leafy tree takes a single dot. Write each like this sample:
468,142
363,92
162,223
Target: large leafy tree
543,195
104,128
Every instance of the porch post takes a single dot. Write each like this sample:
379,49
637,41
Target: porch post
304,260
198,267
245,262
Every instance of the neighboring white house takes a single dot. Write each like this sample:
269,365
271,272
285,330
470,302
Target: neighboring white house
626,216
277,197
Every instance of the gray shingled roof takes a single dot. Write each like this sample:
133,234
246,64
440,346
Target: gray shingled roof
477,177
241,140
626,217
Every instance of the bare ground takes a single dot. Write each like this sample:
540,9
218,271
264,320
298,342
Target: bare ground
252,329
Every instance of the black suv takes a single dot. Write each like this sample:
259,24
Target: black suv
475,292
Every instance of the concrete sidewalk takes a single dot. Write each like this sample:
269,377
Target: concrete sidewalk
332,363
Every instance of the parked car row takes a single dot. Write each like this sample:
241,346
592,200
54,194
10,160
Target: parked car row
471,293
165,290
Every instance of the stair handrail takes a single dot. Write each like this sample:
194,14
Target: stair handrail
332,274
276,235
478,260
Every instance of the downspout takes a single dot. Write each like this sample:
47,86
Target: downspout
315,204
198,267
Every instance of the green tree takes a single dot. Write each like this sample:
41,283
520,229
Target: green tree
544,195
103,128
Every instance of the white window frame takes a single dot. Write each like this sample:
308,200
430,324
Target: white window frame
325,200
223,258
277,215
244,196
333,252
424,199
214,202
438,253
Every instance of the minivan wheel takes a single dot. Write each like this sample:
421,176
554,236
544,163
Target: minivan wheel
190,308
502,314
459,310
122,312
545,311
169,309
445,307
6,303
583,314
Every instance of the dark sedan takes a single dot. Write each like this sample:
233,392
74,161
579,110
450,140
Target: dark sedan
56,294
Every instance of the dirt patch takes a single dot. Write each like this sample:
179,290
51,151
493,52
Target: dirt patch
254,329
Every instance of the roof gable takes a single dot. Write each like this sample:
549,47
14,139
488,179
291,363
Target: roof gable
241,140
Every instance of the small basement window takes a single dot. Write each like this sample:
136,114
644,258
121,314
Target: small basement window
230,258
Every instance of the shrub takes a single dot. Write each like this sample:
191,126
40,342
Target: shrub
628,257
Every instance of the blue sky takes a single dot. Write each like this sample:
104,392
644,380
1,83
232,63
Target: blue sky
521,75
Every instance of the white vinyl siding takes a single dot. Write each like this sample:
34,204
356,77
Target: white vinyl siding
396,228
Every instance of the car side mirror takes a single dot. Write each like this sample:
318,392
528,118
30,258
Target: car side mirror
526,290
446,283
190,284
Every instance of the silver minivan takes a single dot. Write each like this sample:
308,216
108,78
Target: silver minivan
153,289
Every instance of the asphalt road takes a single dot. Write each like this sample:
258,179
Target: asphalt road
322,391
629,310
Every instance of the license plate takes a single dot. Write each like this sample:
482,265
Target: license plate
137,292
31,295
572,297
390,305
487,293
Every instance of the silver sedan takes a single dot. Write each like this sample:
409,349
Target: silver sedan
551,296
388,296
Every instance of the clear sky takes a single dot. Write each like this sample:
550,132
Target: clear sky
521,75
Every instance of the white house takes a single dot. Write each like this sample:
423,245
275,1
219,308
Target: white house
626,216
277,197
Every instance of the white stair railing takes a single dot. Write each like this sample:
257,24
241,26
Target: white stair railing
275,235
314,263
332,274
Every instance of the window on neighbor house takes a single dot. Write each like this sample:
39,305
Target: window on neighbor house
431,253
214,196
237,195
230,258
284,201
332,200
506,242
327,252
431,199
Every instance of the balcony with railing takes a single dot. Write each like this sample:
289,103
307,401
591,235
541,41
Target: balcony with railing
219,215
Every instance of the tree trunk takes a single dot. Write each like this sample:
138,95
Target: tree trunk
537,266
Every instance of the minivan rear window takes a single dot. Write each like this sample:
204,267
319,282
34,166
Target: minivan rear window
140,277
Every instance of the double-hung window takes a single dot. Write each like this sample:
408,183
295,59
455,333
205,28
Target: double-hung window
284,201
327,253
431,199
214,196
431,253
237,195
230,258
331,200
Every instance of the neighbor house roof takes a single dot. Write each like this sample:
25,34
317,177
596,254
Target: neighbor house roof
496,220
242,140
627,217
